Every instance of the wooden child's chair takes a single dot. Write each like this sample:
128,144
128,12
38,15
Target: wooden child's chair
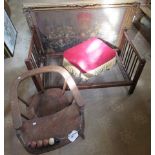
51,116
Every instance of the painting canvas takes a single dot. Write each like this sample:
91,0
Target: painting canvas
10,34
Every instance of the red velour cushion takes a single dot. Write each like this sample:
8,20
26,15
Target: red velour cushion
89,55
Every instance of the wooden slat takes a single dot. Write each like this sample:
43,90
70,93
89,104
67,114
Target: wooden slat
135,50
133,66
37,57
128,57
129,60
33,62
126,54
121,67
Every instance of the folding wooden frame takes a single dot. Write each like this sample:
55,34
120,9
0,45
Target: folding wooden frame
129,61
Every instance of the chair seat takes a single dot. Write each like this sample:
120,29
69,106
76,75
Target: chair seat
89,58
49,102
57,125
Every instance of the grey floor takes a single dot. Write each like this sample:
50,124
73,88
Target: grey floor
116,124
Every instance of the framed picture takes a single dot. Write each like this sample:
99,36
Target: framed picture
63,29
10,34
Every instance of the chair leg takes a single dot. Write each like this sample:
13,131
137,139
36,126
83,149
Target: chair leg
82,135
136,76
131,89
81,132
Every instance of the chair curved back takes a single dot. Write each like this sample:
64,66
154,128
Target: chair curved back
16,113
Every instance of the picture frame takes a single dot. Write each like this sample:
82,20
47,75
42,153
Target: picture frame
10,35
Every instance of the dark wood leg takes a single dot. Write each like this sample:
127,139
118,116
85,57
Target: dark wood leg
81,132
131,89
136,77
82,135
